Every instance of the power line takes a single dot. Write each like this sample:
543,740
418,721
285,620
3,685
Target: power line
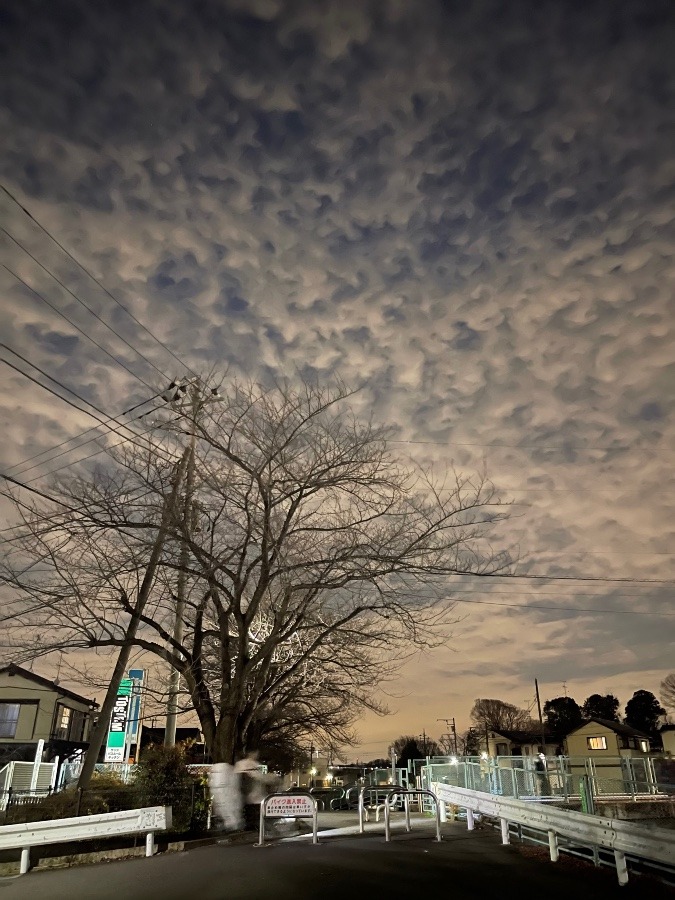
564,578
77,327
86,431
450,443
79,300
95,280
69,402
576,609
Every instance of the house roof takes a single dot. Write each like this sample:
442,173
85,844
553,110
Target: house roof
13,669
526,737
616,727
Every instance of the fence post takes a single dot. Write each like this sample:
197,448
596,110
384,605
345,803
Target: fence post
78,804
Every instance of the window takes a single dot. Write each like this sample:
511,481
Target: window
69,724
644,746
597,743
9,719
63,716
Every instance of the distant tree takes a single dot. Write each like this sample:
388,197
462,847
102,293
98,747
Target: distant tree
643,711
562,715
498,715
469,742
599,706
408,747
668,691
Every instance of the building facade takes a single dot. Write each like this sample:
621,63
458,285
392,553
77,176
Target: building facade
33,708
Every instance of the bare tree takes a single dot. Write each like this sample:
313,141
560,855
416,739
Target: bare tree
308,558
668,691
499,715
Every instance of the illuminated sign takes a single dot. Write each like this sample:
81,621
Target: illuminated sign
115,750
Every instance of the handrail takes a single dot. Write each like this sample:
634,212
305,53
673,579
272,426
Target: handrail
656,844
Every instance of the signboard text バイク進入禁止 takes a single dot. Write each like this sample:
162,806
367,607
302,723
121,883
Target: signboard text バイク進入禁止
290,805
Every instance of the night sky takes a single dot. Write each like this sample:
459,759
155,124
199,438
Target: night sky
466,208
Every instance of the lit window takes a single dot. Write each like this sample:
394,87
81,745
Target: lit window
597,743
63,716
644,746
9,719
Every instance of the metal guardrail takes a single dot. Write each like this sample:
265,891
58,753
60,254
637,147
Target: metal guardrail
147,820
621,837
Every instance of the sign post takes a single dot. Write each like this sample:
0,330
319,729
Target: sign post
115,749
134,721
296,805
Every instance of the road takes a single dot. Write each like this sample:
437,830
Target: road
345,867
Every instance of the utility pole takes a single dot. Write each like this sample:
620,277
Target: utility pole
541,721
452,730
189,396
424,742
101,727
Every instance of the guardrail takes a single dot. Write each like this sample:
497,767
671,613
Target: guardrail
654,844
133,821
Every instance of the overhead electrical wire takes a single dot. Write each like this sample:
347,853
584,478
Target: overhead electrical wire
69,402
80,434
80,301
77,327
95,280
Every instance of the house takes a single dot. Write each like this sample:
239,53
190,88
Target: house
510,742
33,708
599,738
667,735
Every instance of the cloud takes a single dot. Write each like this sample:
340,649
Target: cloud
466,211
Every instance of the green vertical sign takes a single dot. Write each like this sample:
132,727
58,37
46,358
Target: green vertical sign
117,732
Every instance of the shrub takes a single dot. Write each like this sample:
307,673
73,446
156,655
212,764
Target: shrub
163,779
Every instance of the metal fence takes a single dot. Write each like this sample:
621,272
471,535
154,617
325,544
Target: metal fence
190,804
559,778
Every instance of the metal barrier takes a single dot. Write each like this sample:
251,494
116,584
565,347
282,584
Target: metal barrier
622,837
293,805
393,795
149,820
384,791
562,778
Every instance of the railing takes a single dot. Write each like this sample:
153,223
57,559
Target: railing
393,796
561,777
147,820
620,837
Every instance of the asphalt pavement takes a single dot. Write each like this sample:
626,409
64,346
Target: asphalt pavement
341,867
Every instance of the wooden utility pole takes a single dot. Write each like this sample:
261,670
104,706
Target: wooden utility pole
541,721
101,727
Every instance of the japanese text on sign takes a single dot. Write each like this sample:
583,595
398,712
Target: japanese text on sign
295,805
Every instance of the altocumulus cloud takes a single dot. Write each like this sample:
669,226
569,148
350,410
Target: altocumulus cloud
466,208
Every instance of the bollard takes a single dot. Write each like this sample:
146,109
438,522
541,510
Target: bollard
150,847
443,811
553,845
621,867
469,820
